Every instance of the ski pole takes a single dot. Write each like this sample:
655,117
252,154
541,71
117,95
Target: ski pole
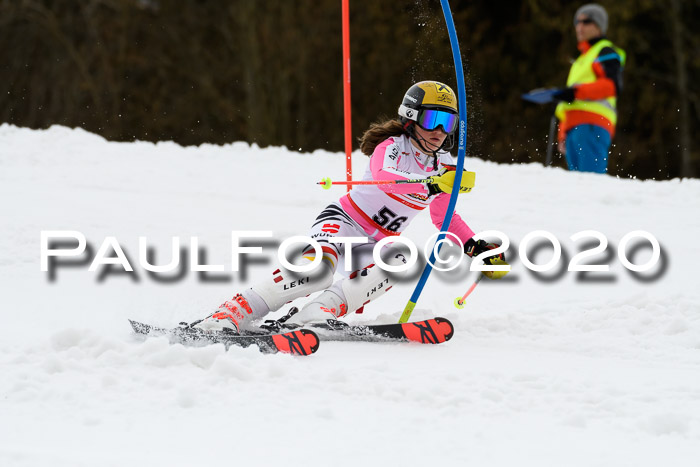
459,301
326,183
550,139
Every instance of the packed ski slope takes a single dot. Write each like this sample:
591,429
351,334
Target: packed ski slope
544,369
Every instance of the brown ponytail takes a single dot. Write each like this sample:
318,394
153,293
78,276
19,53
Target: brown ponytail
378,132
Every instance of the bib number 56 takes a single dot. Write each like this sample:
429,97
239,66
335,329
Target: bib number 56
389,219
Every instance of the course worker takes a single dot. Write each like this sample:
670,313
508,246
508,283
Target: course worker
587,111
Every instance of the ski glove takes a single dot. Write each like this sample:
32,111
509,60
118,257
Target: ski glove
475,247
565,95
443,182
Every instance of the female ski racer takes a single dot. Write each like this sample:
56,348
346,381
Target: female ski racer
414,146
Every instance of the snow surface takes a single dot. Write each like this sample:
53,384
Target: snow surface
542,370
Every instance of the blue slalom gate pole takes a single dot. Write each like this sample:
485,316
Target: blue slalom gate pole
461,152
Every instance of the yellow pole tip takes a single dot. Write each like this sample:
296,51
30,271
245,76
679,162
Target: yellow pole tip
459,303
326,183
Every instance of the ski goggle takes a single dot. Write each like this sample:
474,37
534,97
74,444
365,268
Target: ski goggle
430,119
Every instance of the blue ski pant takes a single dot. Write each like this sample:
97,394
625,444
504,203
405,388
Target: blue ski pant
587,148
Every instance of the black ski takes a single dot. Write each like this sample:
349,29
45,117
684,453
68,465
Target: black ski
297,342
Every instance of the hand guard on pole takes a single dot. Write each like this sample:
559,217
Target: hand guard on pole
474,248
444,182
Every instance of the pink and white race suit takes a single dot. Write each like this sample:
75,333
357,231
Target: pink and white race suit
384,210
379,211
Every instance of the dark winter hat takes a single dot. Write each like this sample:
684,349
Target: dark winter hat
595,12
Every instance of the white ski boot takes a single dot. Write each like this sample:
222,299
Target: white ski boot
228,317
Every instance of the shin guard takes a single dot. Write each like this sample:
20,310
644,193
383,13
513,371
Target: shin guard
349,295
285,286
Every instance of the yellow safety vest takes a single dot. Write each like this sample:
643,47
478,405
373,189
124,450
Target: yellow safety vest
582,72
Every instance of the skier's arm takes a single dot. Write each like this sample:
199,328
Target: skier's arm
384,166
438,208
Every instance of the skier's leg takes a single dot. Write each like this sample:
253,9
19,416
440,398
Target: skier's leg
352,293
284,285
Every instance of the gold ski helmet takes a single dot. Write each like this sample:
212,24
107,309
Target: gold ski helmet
430,104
